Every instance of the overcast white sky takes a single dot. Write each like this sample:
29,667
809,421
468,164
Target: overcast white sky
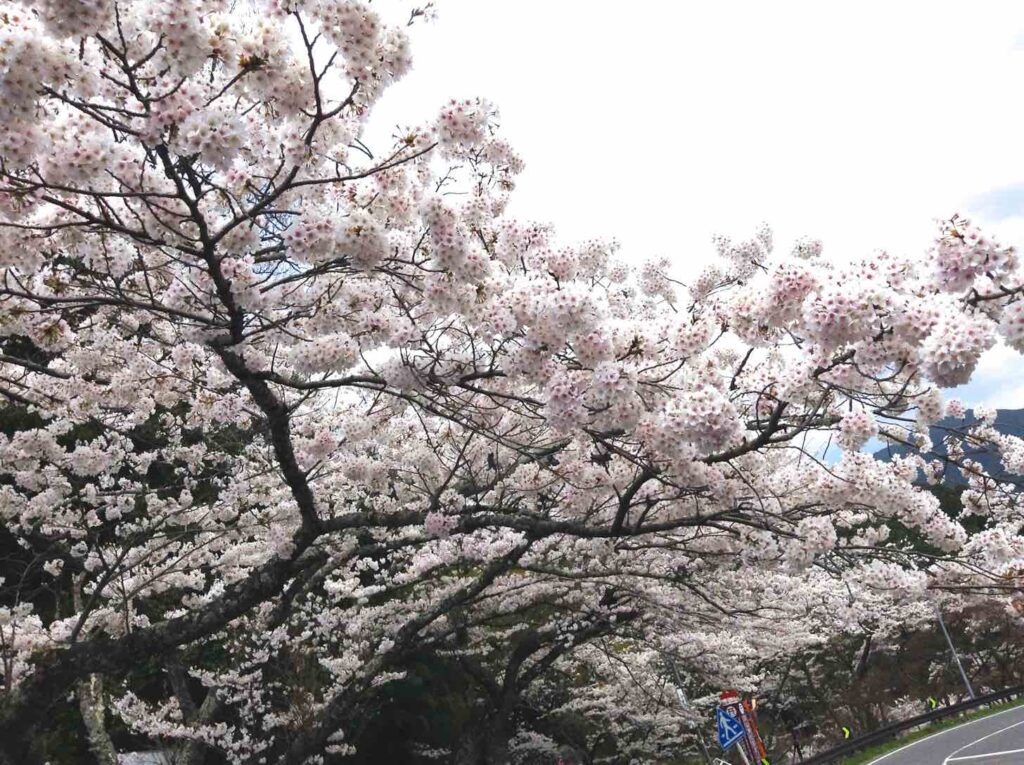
662,123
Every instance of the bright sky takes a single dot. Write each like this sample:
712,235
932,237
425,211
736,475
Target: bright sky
663,123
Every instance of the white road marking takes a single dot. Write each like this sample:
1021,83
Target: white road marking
987,754
939,733
978,741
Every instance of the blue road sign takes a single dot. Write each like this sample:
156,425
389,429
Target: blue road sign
730,730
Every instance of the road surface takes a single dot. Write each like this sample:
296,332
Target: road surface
994,740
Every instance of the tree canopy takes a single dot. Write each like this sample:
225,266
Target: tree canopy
285,413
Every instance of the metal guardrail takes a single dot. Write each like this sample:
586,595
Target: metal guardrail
890,732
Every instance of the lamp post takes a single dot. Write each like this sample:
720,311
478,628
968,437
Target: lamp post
956,656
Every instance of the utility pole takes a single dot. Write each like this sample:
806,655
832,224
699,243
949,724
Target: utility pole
685,704
956,656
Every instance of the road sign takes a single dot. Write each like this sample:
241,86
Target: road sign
729,729
846,732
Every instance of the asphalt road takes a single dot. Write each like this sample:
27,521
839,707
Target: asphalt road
994,740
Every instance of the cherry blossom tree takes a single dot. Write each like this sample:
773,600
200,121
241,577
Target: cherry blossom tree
282,408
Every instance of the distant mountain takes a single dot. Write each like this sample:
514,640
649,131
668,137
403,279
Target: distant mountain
1008,421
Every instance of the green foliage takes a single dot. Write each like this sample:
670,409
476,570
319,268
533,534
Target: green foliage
429,708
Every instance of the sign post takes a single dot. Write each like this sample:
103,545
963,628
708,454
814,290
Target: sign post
751,746
757,750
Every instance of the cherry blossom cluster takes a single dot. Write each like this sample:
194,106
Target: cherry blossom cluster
963,254
1011,325
856,429
463,124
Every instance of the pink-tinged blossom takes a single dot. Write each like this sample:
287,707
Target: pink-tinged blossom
72,18
951,351
839,313
439,524
702,417
815,536
986,415
964,253
330,353
955,408
463,124
362,241
216,135
856,429
354,28
180,24
930,407
1011,325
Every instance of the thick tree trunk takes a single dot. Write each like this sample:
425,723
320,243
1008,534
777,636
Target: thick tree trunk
487,743
194,752
90,702
469,750
191,752
496,742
